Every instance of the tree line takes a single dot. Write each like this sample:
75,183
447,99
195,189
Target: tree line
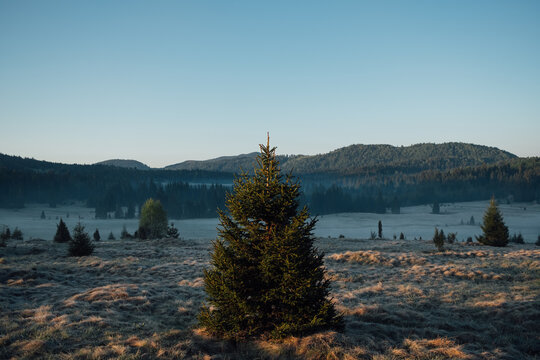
119,192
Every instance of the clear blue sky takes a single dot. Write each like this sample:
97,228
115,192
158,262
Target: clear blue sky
167,81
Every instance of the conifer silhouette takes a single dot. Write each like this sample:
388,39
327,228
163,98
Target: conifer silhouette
266,277
494,228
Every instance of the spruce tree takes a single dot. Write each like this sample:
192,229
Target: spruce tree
380,229
80,244
438,239
495,231
172,232
436,208
62,233
18,235
97,235
266,277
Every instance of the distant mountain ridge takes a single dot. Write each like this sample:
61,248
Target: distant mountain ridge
129,164
346,160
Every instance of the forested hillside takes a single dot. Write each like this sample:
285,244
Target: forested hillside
416,175
130,164
356,158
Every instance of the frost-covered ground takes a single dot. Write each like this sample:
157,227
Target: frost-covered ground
400,299
418,221
414,222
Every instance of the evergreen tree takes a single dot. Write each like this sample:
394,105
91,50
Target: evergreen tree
111,236
80,244
471,221
97,236
436,209
125,234
438,239
495,232
62,233
17,234
266,277
172,232
380,229
4,237
153,221
42,214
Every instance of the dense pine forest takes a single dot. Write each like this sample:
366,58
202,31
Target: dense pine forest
358,178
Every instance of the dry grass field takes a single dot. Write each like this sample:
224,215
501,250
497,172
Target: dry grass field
400,300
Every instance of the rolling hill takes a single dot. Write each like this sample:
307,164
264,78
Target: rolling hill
353,158
129,164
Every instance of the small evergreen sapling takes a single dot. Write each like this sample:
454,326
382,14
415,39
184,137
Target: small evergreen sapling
438,239
17,234
125,234
97,236
80,244
494,228
436,208
62,233
266,277
111,236
172,232
517,239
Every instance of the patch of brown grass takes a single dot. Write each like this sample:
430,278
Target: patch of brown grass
400,300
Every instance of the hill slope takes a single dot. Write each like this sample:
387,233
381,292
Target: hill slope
348,159
129,164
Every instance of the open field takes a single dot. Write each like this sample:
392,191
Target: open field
414,222
400,300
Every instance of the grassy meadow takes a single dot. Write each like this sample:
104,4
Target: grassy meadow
401,299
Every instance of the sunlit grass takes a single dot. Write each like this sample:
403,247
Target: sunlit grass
400,300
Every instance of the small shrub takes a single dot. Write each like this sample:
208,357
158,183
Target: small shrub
469,240
80,244
517,239
373,235
125,234
97,236
17,234
62,233
394,236
451,238
172,232
341,236
438,239
111,236
401,236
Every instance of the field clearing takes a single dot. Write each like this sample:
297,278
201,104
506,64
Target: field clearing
414,222
400,300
